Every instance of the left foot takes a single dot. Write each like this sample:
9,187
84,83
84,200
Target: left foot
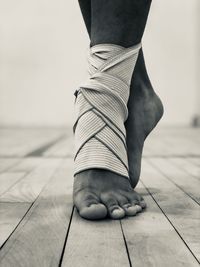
145,110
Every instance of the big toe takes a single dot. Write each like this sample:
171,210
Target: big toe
93,212
89,206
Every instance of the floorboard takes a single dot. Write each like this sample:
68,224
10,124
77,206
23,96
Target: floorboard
92,244
11,214
152,240
27,165
39,226
9,179
40,237
188,166
19,142
196,161
182,212
63,148
178,176
6,164
173,142
28,188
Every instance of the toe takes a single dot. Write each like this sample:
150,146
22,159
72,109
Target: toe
94,212
126,206
130,210
114,210
137,202
89,206
117,213
142,202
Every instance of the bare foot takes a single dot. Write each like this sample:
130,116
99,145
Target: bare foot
101,193
145,110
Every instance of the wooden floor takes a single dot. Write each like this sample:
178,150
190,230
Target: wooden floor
39,227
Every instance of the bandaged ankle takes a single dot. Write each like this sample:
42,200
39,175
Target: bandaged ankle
101,108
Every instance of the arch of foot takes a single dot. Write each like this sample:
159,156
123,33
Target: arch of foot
101,108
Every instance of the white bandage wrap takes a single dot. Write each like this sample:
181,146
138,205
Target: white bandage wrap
101,108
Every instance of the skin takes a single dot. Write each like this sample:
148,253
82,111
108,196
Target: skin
101,193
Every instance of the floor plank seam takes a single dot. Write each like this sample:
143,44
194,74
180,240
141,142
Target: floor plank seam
174,164
168,178
66,237
190,160
39,151
16,226
12,165
31,206
171,223
126,245
26,174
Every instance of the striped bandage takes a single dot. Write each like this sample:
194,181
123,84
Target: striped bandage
101,108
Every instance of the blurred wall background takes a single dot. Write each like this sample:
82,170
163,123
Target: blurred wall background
42,60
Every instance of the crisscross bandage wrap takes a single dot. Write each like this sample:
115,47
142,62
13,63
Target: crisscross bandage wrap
101,109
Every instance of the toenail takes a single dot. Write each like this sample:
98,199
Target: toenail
92,205
126,206
131,211
117,211
132,207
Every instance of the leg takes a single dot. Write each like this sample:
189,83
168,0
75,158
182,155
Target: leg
85,6
95,186
132,20
145,110
118,22
145,107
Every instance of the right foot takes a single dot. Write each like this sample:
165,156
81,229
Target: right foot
101,193
98,193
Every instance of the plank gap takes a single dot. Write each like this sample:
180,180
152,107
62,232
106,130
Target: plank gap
170,221
39,151
16,225
125,243
171,180
66,237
